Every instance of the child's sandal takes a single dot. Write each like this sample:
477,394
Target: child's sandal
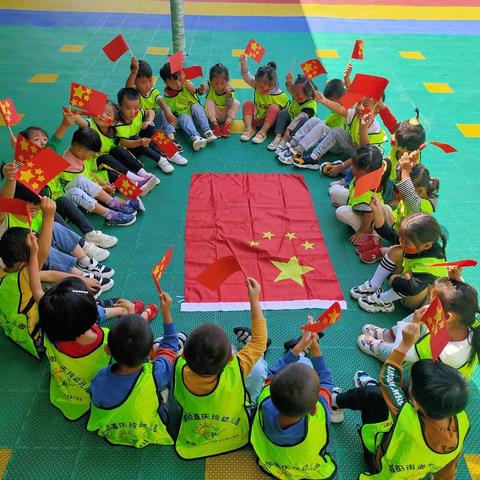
151,311
139,306
247,135
259,138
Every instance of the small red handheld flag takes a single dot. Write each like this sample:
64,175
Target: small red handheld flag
176,62
40,169
24,149
358,50
126,187
8,111
192,72
217,272
166,146
116,48
327,318
313,67
458,263
160,267
370,181
91,101
255,51
15,207
364,86
442,146
434,319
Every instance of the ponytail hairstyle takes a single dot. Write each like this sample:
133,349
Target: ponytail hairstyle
218,70
370,158
309,88
420,177
268,71
422,228
461,298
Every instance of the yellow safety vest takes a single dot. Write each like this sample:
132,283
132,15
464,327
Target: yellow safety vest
419,265
335,120
14,221
408,457
403,211
149,102
353,129
130,130
19,312
264,100
181,102
295,108
219,100
214,423
71,377
365,198
107,142
134,422
306,459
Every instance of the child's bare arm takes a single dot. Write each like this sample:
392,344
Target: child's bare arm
346,75
333,106
67,122
8,187
130,83
171,118
48,207
365,123
191,87
33,270
81,122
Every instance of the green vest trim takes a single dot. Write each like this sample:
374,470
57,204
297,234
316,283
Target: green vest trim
307,459
353,129
181,102
418,265
392,155
365,198
335,120
134,422
150,101
107,142
219,100
263,101
295,108
214,423
19,312
130,130
71,377
14,221
372,433
408,457
403,211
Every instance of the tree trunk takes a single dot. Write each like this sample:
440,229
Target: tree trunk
178,26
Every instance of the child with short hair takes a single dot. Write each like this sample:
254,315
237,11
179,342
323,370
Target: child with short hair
268,100
135,127
414,434
127,407
209,386
181,97
220,104
290,428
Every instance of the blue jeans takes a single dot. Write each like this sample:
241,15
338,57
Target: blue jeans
162,123
102,313
254,382
198,117
64,242
83,192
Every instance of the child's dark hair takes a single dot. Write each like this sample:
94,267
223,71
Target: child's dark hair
410,135
67,310
308,87
144,69
461,298
294,390
268,71
370,158
87,138
422,228
28,131
128,93
334,89
23,193
207,350
420,177
440,390
166,74
130,340
13,246
218,70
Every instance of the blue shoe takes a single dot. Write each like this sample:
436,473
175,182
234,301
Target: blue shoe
137,205
119,219
126,208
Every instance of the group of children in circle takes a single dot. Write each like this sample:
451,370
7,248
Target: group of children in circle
413,418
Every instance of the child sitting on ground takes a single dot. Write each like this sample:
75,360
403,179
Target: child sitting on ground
182,100
290,429
209,386
220,104
268,100
416,434
127,407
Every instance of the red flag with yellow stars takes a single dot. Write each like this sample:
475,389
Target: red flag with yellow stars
15,207
357,53
160,267
24,149
434,319
312,68
40,169
126,187
91,101
255,51
268,223
9,113
166,146
326,319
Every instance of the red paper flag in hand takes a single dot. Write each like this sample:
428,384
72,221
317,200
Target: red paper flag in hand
8,111
24,149
312,68
327,318
192,72
40,169
126,187
176,62
166,146
160,267
443,146
364,86
16,207
91,101
434,319
458,263
255,51
217,272
116,48
357,53
370,181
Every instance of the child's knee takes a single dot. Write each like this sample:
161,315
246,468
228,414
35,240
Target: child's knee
395,253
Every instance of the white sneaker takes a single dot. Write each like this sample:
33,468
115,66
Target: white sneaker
92,251
337,413
210,136
178,159
273,145
100,239
340,182
372,303
165,165
361,290
198,142
97,269
280,146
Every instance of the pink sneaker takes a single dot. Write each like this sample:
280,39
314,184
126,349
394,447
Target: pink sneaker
372,256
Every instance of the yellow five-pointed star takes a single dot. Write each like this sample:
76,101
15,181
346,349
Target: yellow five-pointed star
38,171
268,235
254,243
24,144
307,245
291,235
26,175
78,91
291,270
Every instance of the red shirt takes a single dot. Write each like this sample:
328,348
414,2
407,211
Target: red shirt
75,350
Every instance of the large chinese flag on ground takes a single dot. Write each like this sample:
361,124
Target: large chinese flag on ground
270,225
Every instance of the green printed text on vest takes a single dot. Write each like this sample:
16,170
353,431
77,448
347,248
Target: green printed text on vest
264,100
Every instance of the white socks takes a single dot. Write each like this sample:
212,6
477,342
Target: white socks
383,271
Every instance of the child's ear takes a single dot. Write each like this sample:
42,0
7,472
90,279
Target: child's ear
107,349
313,411
427,246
